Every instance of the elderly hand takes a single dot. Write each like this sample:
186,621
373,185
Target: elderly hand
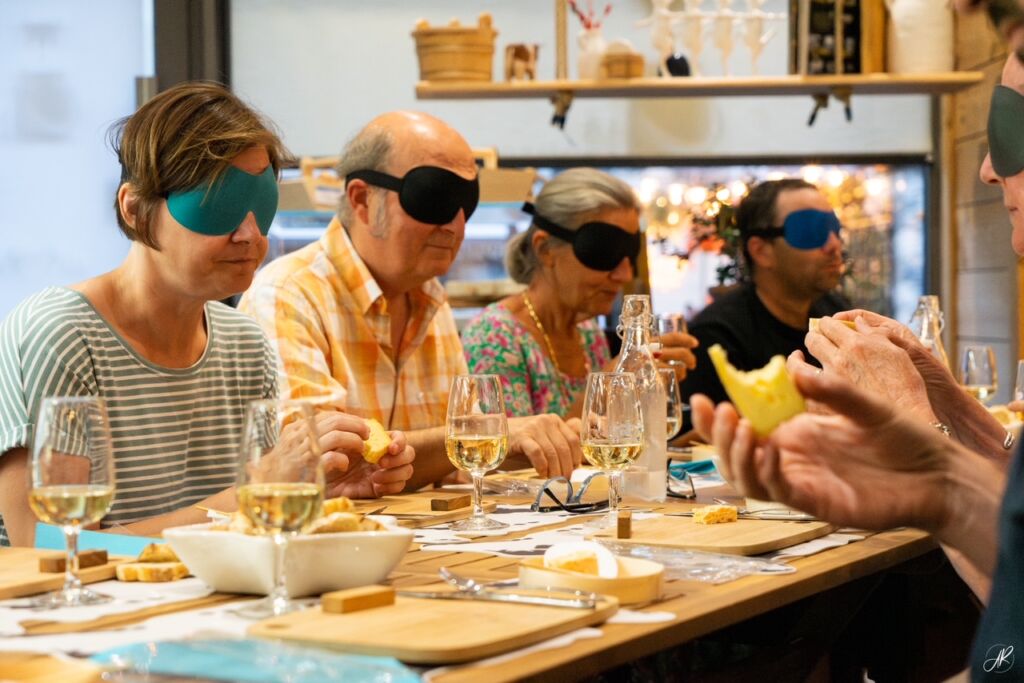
866,465
551,444
869,358
676,353
347,474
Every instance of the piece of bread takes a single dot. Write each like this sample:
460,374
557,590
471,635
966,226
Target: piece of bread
1003,414
715,514
376,446
158,552
582,561
151,572
335,522
339,504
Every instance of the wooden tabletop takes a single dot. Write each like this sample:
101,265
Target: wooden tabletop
700,608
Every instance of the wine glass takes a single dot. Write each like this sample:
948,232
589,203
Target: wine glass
612,434
476,438
674,402
665,323
1018,385
978,372
280,484
71,482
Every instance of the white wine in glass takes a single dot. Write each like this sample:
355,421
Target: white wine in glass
280,484
978,372
476,438
71,482
674,402
612,435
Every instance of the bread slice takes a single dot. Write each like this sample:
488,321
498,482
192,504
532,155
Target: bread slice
377,445
151,572
335,522
339,504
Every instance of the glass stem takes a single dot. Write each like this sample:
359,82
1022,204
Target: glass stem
279,596
71,581
614,491
478,494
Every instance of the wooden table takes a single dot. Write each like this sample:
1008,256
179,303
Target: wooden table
700,608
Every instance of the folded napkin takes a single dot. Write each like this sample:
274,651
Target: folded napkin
253,661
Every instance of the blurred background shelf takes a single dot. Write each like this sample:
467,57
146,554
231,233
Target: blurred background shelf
857,84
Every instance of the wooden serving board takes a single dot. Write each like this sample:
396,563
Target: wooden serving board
426,631
742,537
20,575
414,511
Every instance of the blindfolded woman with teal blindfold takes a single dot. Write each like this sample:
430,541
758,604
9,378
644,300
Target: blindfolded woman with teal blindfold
582,247
177,368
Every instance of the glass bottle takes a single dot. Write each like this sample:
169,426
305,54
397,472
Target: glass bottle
927,323
646,479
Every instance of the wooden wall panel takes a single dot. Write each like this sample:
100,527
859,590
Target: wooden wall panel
984,237
972,104
976,42
986,303
969,188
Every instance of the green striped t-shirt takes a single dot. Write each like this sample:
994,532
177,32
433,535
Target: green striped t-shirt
175,431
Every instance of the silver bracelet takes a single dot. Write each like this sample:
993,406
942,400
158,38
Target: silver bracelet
941,426
1009,440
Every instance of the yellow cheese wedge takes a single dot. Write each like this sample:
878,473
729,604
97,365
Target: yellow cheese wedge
812,324
766,397
377,445
715,514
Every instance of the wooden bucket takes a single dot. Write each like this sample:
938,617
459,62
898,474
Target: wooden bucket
455,52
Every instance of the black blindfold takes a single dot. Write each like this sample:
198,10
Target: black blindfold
597,245
427,193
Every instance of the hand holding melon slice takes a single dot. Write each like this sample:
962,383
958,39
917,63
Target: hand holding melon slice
766,397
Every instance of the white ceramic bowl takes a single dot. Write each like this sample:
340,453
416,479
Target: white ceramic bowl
231,562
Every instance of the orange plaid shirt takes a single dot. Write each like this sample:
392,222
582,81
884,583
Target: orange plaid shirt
328,320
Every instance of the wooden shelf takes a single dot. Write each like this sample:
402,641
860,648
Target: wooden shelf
856,84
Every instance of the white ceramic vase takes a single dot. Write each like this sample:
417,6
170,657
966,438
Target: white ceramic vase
592,47
920,36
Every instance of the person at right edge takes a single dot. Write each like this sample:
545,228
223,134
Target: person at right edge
793,257
873,464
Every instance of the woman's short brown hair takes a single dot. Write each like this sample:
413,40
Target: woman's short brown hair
184,137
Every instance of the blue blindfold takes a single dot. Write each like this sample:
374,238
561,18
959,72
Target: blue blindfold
804,229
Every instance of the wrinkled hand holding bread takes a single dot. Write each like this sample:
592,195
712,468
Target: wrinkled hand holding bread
337,515
156,563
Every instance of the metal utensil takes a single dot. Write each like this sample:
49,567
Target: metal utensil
466,583
504,596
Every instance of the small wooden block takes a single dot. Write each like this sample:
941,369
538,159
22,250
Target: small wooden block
625,528
450,503
356,599
53,564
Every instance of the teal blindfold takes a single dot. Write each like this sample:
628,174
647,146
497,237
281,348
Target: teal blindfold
219,208
1006,131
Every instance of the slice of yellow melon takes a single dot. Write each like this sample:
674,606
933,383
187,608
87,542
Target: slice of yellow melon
766,397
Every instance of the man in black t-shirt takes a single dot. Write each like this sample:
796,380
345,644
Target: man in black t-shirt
793,255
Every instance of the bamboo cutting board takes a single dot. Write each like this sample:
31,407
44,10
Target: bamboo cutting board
742,537
425,631
20,575
413,511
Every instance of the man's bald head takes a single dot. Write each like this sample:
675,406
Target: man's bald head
397,141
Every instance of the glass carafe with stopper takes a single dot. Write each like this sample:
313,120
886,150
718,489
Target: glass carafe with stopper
646,478
927,323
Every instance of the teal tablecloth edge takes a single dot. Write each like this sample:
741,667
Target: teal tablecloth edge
254,661
51,537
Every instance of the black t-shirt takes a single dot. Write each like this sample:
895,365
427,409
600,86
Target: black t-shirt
749,333
998,653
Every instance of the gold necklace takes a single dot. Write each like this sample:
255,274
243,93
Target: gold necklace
547,339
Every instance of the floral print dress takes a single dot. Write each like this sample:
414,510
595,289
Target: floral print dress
495,342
